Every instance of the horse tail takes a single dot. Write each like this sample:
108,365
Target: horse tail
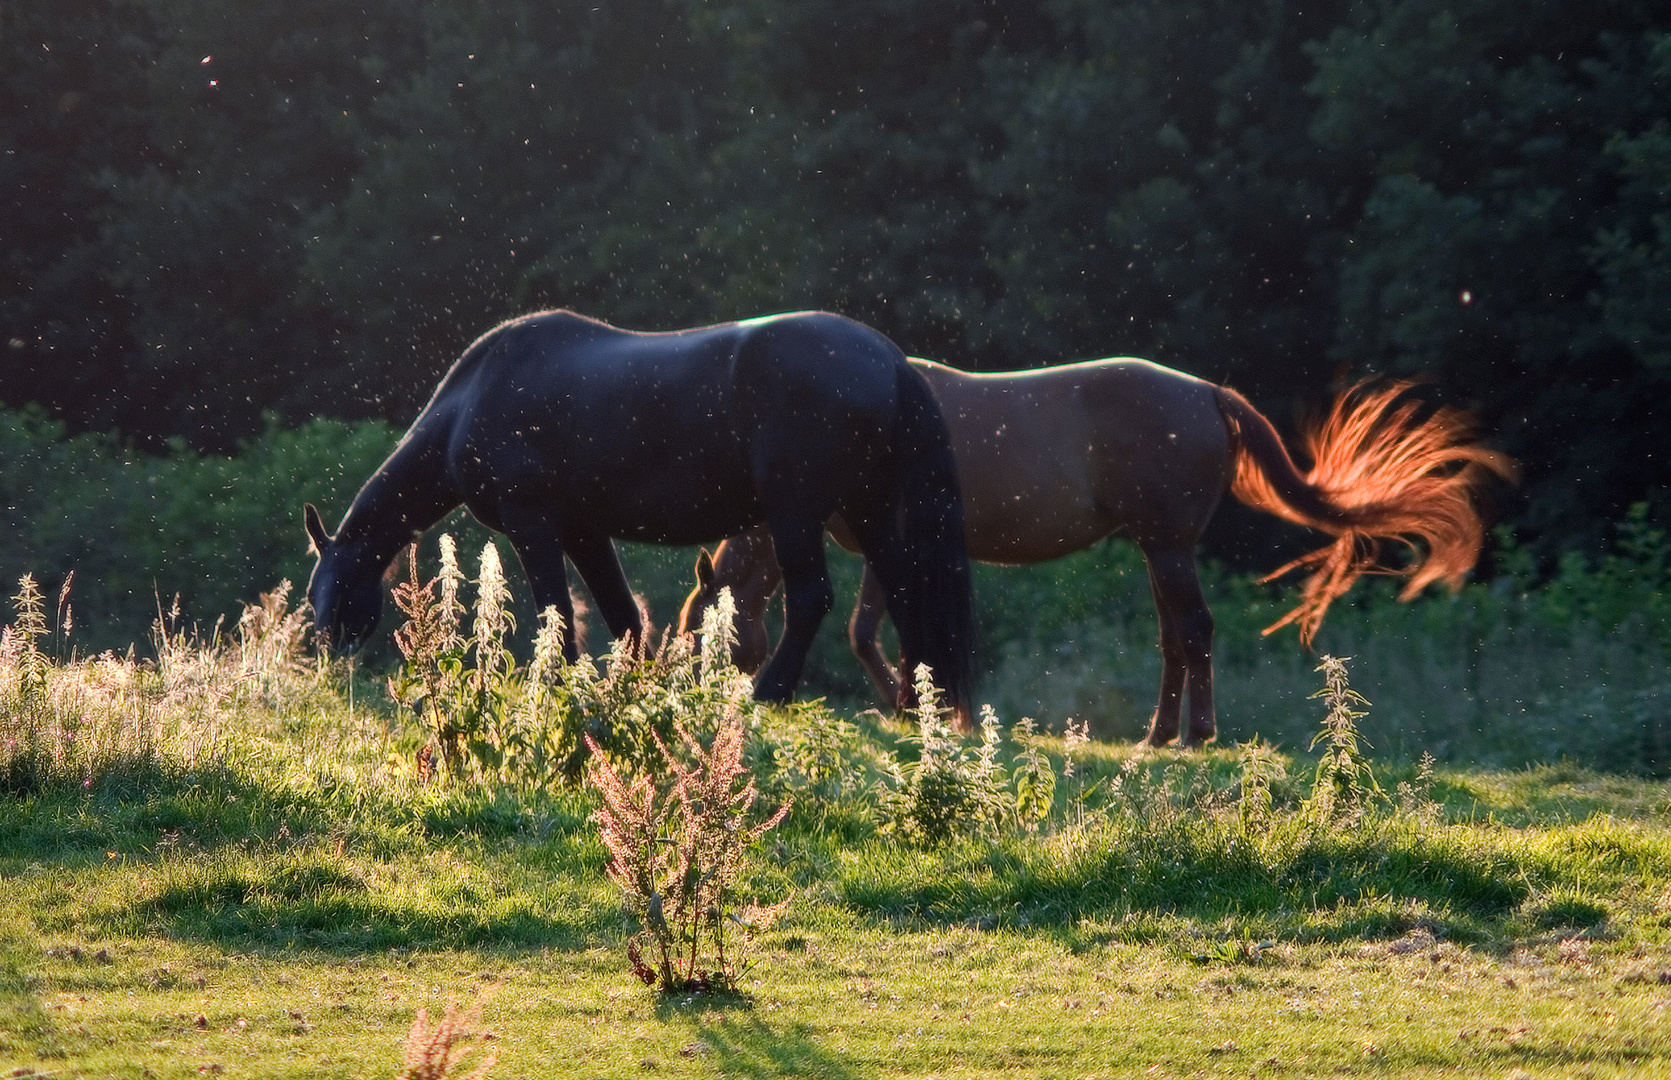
935,612
1380,471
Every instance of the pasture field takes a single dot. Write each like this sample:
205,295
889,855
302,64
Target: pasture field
224,863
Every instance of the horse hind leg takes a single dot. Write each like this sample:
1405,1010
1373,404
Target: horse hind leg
888,571
807,598
864,631
1186,648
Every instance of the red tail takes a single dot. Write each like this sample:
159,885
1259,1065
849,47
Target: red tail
1378,474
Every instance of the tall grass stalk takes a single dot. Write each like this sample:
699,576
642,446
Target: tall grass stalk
86,722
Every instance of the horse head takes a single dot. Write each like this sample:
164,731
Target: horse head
713,574
346,591
701,597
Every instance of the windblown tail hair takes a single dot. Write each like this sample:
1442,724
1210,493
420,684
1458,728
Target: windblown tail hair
1381,471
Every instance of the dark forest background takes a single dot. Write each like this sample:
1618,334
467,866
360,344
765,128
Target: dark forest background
216,217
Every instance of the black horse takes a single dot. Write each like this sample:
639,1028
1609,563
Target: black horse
564,433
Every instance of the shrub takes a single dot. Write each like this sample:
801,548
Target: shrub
536,723
947,788
676,850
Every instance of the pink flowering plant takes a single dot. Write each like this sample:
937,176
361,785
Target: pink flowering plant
676,849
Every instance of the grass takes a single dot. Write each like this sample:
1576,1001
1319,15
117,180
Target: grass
254,882
266,925
843,995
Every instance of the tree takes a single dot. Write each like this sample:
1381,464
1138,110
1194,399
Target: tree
1486,127
501,174
67,115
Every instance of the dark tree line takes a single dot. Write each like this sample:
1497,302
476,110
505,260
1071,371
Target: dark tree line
211,211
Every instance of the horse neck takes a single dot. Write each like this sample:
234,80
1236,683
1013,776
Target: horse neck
407,494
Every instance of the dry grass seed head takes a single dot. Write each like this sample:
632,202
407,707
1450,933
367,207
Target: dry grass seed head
435,1052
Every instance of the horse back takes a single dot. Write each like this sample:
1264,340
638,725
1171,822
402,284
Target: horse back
657,436
1078,451
1162,453
814,388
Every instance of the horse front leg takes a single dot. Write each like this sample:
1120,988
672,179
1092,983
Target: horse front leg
536,537
599,567
1186,647
864,630
807,598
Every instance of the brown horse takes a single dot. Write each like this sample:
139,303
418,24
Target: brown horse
1052,460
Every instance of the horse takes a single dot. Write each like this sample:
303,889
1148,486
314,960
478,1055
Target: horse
1055,459
565,433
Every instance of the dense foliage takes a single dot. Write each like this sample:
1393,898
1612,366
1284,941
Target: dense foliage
309,208
146,533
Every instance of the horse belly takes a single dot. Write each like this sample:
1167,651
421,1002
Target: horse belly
1027,495
661,493
664,507
1030,523
1163,456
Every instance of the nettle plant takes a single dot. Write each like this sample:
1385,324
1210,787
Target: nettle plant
459,683
538,723
951,788
1345,786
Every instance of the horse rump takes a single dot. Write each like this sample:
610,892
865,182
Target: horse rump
920,556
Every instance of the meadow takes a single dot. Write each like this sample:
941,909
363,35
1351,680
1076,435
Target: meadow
225,858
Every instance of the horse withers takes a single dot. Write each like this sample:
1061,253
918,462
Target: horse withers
565,433
1054,459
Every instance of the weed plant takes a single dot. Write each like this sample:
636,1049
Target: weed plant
110,720
491,718
439,1051
945,788
1345,781
463,685
677,849
674,821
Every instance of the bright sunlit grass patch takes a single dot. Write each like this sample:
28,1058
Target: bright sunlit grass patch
273,886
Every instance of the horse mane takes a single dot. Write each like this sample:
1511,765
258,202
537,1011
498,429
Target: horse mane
1381,471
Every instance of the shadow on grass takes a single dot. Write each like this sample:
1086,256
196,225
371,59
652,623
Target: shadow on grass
1330,886
349,918
741,1044
217,806
222,856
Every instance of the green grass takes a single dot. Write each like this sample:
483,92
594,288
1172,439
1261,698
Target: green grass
305,916
254,882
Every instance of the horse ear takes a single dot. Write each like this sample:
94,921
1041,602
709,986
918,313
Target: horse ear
704,568
317,535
